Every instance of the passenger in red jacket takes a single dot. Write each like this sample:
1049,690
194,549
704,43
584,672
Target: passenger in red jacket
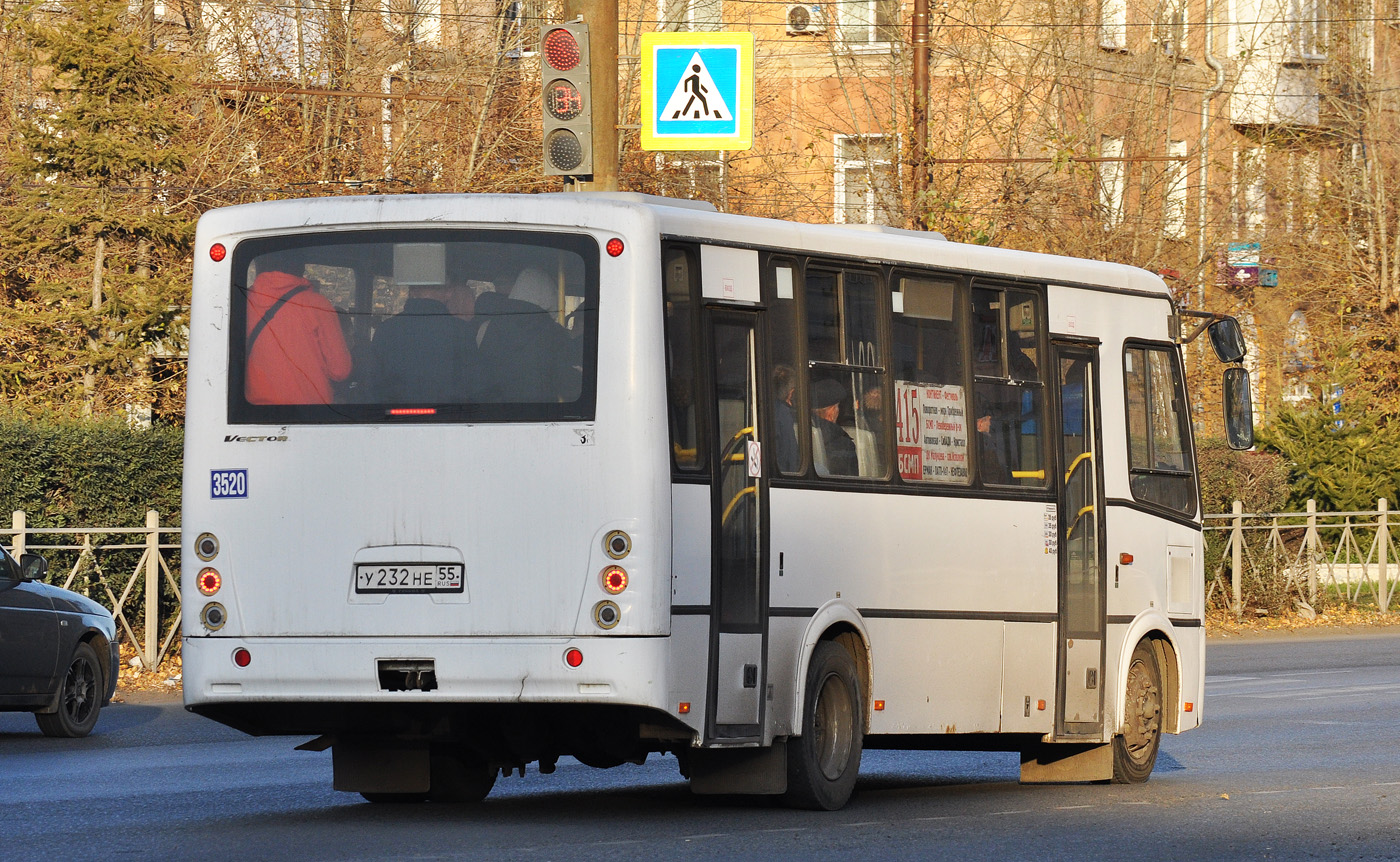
295,344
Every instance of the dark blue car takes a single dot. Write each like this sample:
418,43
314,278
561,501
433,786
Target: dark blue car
58,650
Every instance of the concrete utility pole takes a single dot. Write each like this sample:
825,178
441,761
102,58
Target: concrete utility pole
601,18
919,112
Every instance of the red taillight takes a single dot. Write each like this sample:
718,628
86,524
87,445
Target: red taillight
209,581
413,411
614,247
242,657
217,252
614,579
573,657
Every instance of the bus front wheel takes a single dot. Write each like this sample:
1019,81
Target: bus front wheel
1135,749
823,762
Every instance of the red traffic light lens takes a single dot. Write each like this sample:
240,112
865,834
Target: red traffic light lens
561,50
563,100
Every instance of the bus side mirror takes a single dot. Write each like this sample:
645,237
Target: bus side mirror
1228,340
1239,409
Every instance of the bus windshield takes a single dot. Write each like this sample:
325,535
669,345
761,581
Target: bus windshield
413,325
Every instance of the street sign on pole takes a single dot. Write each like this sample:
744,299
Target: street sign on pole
697,91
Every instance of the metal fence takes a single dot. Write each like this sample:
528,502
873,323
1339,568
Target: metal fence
124,568
1275,560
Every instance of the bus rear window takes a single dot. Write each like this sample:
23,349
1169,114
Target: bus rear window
419,325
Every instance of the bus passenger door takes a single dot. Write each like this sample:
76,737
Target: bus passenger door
1079,708
739,594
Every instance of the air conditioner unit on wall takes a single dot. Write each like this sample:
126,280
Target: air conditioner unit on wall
805,19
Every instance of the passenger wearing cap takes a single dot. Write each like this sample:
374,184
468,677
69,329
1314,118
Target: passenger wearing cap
833,450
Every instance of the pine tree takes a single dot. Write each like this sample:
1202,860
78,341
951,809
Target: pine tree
93,255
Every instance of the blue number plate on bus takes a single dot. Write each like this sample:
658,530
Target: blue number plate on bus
228,484
409,578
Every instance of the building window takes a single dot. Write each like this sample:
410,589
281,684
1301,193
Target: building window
1113,25
869,22
1174,205
867,188
1307,30
696,175
692,15
1112,181
1249,198
1169,28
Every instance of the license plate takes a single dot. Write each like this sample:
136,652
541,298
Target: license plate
409,578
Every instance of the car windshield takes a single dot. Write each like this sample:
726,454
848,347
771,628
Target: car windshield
413,325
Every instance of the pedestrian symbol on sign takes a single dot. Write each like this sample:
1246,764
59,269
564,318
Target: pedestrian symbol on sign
696,97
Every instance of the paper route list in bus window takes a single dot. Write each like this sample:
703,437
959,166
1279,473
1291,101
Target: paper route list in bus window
931,424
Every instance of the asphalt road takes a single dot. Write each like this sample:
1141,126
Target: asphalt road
1299,759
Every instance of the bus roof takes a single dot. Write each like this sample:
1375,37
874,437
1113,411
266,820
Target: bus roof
687,219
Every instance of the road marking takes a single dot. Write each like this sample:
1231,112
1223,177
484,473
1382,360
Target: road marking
1071,807
867,823
788,829
706,835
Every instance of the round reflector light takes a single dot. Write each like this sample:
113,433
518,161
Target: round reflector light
209,581
217,252
213,616
561,50
614,579
617,544
242,657
573,657
206,546
614,247
606,614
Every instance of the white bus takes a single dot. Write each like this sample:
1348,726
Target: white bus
477,482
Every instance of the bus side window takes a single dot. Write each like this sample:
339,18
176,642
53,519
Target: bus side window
930,396
788,398
1159,458
1009,396
678,272
846,377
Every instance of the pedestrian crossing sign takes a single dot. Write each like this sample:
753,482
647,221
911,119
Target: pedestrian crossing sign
697,91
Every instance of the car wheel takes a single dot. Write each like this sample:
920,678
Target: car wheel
79,699
1135,749
824,761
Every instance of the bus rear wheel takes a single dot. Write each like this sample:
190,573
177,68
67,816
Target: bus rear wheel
1135,749
824,761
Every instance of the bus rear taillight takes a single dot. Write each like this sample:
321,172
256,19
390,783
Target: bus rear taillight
206,546
213,616
614,579
573,657
209,581
242,657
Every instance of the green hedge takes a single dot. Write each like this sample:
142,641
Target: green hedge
74,473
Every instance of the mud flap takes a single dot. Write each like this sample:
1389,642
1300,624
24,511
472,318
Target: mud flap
1067,762
757,771
365,769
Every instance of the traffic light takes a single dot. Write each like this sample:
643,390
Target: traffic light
568,100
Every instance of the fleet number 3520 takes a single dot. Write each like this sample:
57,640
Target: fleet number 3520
228,483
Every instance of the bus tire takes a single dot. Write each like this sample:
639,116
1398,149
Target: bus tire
1135,749
824,761
459,779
